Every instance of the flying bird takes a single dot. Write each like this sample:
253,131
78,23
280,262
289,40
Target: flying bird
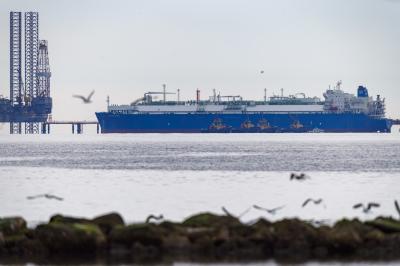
315,201
85,99
270,211
47,196
299,177
244,212
153,217
396,204
228,213
262,71
366,208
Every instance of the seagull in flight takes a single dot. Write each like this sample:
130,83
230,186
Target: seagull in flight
396,204
366,208
47,196
315,201
270,211
300,177
228,213
84,99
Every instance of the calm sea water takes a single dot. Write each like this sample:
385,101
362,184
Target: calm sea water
180,174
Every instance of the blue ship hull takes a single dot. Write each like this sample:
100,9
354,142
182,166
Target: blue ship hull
203,122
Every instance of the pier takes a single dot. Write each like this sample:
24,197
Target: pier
77,126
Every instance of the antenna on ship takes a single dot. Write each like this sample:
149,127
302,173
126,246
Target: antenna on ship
164,92
265,95
282,92
338,84
197,95
179,95
108,103
214,96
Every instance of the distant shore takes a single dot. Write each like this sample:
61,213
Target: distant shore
201,237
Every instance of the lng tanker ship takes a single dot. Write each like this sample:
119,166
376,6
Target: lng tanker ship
338,112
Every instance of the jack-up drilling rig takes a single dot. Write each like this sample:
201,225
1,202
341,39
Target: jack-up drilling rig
30,104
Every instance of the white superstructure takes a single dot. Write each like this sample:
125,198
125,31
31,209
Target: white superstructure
336,101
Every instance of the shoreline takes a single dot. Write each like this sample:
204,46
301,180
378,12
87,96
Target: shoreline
203,237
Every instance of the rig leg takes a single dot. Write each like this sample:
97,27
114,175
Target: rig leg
44,128
15,127
79,128
73,128
48,128
98,128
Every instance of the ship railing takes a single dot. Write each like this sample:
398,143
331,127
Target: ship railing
223,112
226,103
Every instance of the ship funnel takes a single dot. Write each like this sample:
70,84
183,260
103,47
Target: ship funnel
362,91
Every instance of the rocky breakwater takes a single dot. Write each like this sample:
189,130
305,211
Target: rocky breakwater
201,237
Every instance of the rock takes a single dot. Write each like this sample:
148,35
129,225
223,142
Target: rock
201,242
262,223
354,224
391,245
238,242
263,234
145,253
176,243
145,234
262,231
204,236
175,237
294,238
320,252
58,218
71,237
346,236
210,220
12,225
108,221
1,242
21,245
223,241
143,241
385,224
374,237
171,226
201,239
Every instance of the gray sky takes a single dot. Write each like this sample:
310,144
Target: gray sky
124,48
